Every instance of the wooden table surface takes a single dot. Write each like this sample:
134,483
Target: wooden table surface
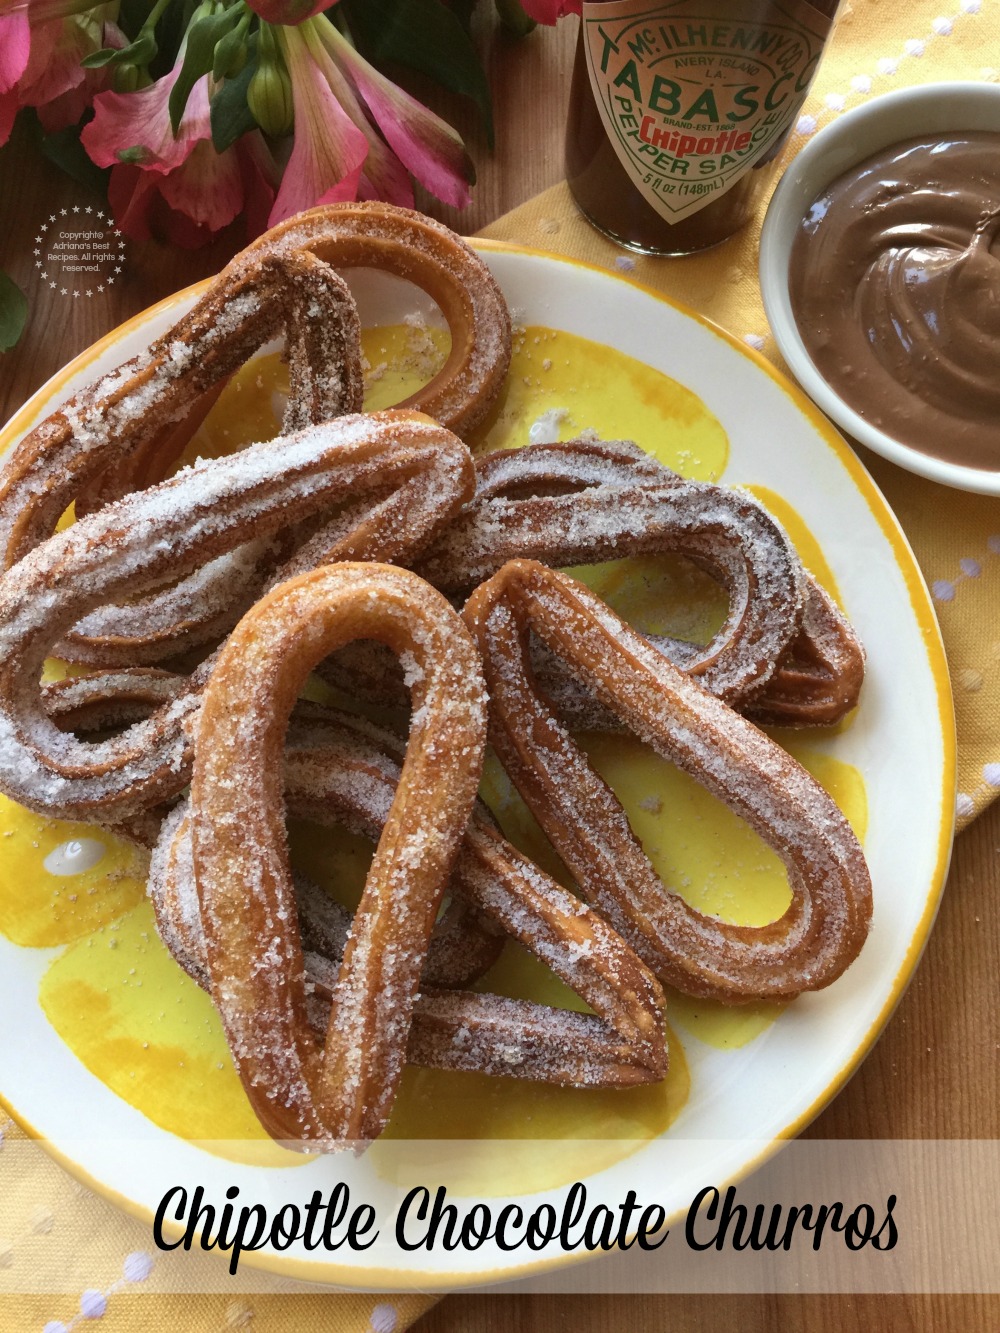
933,1074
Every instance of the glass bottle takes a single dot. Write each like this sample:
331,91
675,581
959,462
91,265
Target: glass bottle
679,109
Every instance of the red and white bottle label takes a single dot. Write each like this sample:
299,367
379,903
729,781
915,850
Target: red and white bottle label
692,96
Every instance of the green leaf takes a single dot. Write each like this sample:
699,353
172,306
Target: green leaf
98,59
230,115
230,55
64,149
139,52
13,312
134,156
199,55
427,36
513,18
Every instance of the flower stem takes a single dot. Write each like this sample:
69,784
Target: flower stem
155,14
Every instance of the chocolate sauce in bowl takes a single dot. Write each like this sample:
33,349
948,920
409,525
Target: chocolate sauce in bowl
894,279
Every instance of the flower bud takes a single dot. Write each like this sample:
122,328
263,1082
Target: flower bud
129,78
230,55
269,96
513,18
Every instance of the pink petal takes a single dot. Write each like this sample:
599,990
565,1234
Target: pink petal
329,150
45,39
57,47
260,180
130,193
207,188
288,12
142,119
384,176
548,11
68,107
65,109
142,213
344,192
426,145
15,47
8,111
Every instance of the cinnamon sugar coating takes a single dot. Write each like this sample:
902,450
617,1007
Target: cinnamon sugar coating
129,426
126,431
253,951
370,234
400,476
785,653
338,769
301,537
827,920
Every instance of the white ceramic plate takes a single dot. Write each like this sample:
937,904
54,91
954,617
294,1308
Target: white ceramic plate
902,741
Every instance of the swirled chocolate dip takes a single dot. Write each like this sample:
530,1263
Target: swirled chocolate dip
895,284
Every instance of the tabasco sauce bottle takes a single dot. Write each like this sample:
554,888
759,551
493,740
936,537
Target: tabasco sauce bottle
678,109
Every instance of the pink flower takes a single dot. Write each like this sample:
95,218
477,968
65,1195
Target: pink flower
329,149
176,188
57,47
15,48
40,54
61,102
8,111
288,12
548,11
338,153
426,145
190,203
135,127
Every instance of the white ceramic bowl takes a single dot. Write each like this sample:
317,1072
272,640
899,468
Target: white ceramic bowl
846,142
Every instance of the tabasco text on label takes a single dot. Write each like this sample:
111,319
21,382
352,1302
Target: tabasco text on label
693,94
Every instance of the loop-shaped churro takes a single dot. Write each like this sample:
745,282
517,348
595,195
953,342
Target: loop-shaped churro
369,234
575,503
253,950
583,503
338,769
417,474
130,410
725,531
527,503
133,422
827,920
819,679
127,430
817,682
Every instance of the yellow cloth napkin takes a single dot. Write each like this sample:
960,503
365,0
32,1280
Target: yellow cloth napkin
99,1269
51,1225
877,46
